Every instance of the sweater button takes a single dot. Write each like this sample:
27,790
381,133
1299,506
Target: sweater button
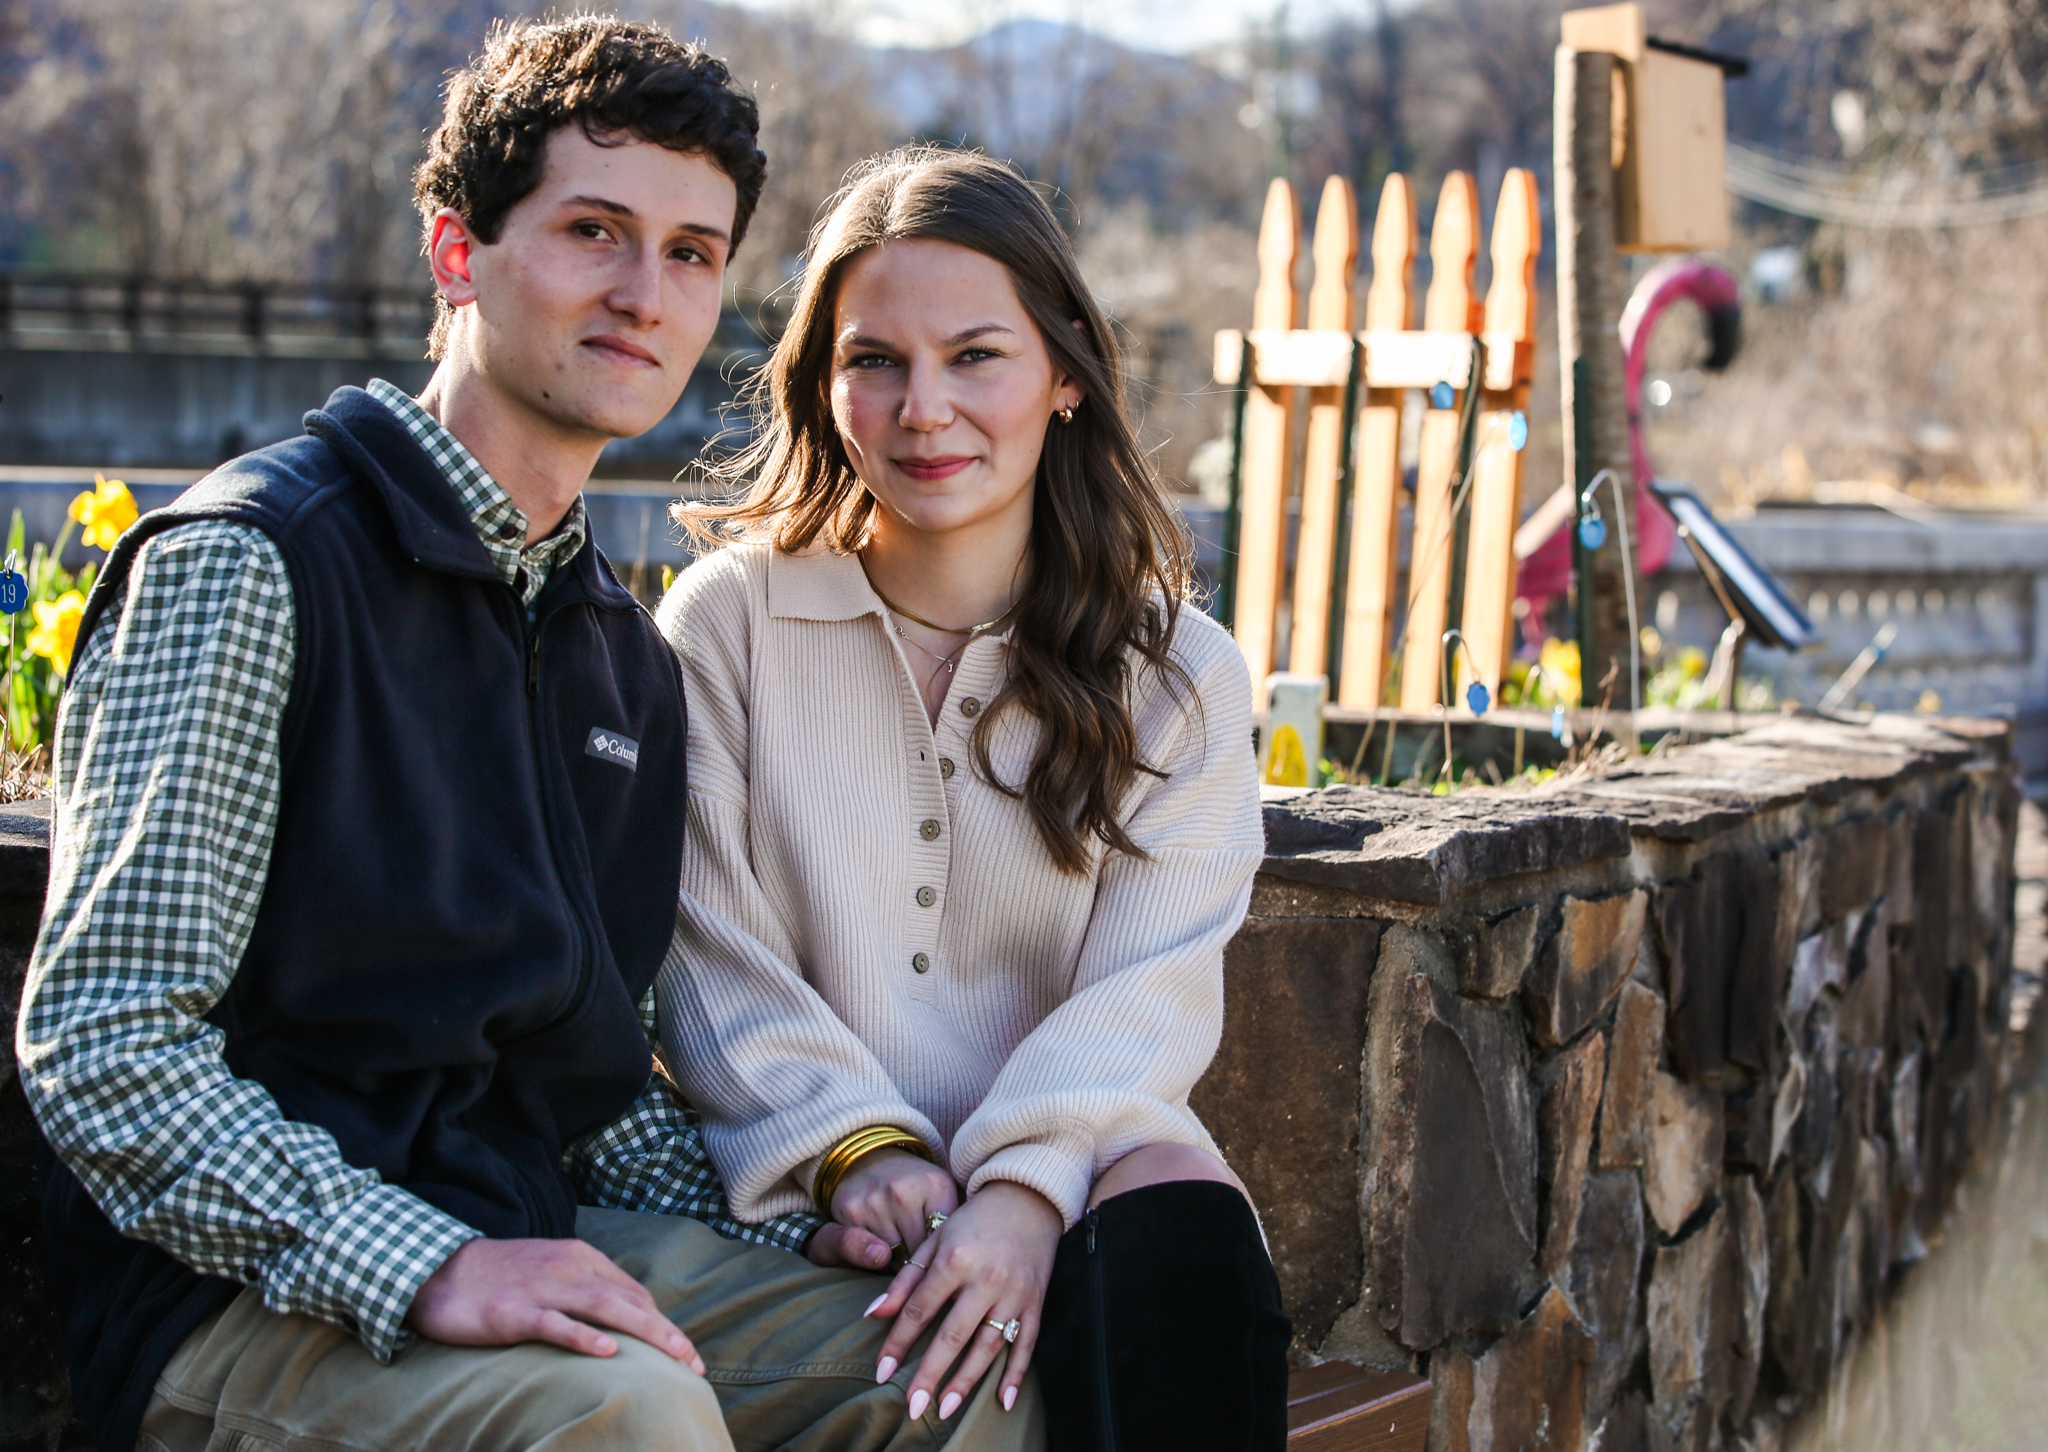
945,768
921,963
970,708
929,829
926,897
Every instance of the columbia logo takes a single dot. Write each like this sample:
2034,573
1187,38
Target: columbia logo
610,746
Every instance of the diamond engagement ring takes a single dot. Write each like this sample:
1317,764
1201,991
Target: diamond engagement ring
933,1221
1009,1328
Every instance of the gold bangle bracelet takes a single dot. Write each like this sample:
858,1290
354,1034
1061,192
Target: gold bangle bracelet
840,1158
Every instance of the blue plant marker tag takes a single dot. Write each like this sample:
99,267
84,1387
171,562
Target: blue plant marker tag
1518,431
1557,722
1477,698
1593,532
13,593
1442,395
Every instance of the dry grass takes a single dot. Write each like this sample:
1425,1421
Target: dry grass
24,775
1918,363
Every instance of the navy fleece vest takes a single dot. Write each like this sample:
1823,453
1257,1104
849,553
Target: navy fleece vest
473,881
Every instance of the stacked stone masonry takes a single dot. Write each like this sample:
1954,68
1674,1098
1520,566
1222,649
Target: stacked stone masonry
1619,1107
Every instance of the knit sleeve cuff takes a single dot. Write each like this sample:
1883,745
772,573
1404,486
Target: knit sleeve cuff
1059,1164
361,1269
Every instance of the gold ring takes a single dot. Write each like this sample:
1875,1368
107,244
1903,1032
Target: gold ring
1009,1328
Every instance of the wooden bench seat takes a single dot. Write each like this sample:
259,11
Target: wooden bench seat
1340,1407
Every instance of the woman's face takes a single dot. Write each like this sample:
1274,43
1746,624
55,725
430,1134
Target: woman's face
941,385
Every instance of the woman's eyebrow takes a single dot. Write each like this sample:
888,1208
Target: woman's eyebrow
863,340
977,331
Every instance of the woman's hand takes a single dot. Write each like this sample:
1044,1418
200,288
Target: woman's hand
848,1246
889,1193
991,1260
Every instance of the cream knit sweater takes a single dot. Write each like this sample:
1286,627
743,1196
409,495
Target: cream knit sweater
868,934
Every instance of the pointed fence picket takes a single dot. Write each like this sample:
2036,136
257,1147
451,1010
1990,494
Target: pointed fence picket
1468,475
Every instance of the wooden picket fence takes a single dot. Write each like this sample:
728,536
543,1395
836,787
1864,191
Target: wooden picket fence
1353,383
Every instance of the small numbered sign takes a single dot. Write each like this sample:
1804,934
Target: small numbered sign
1478,698
13,593
1592,531
1442,395
1518,431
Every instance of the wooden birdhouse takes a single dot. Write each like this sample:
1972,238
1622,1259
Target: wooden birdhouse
1671,132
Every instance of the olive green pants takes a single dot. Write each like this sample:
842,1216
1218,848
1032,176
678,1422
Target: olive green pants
790,1365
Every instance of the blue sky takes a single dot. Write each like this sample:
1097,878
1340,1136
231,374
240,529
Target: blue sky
1168,25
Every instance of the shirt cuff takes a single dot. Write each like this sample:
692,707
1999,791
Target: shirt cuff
1060,1167
361,1269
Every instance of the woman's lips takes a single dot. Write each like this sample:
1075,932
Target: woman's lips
941,468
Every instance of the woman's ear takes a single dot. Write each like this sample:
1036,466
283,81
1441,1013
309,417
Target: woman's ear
1067,394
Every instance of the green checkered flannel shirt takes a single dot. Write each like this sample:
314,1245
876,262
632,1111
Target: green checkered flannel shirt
166,778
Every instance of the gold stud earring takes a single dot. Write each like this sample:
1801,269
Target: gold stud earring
1067,414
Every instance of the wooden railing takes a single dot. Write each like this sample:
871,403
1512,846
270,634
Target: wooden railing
104,310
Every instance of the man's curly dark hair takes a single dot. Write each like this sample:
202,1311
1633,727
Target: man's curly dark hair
619,80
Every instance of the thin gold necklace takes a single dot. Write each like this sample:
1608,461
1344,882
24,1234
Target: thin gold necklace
948,661
970,631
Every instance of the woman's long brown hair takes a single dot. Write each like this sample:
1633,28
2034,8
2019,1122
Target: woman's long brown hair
1109,564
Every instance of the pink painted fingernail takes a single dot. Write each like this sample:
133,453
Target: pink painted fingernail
917,1403
949,1406
876,1302
886,1370
1009,1399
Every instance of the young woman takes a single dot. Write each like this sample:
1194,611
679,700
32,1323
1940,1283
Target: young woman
972,814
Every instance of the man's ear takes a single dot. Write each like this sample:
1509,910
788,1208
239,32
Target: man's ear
449,247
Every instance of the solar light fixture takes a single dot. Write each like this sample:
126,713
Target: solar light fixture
1747,590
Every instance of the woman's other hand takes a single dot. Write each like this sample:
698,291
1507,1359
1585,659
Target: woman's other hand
990,1261
890,1193
849,1246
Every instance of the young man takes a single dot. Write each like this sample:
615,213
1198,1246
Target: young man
370,786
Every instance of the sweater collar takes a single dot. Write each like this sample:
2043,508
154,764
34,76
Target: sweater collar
819,585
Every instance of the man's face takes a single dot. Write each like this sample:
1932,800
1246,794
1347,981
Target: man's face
603,287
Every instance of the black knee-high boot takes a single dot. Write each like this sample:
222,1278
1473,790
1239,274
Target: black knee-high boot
1163,1328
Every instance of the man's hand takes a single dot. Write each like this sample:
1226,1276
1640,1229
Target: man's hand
502,1292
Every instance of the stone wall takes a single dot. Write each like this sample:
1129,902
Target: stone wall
1620,1107
35,1409
1615,1107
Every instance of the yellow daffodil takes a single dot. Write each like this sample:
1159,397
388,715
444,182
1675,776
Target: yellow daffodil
56,629
105,510
1560,665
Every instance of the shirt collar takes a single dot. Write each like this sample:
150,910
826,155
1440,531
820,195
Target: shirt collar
819,585
500,524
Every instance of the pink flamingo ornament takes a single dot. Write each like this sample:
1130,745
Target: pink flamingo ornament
1547,571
